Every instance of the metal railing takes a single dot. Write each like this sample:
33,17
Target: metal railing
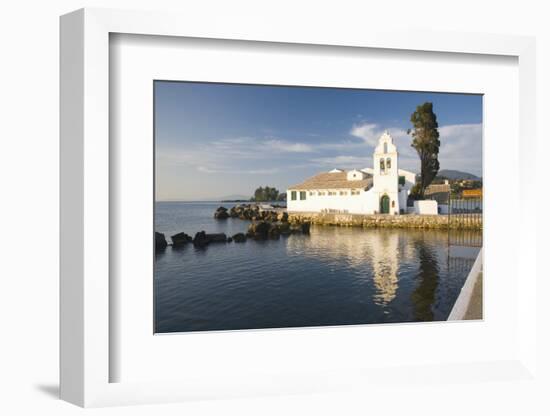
465,212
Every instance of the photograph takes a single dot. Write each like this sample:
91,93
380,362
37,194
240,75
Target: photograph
258,209
287,206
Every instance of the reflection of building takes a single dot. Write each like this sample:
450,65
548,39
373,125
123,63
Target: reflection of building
409,274
385,265
375,254
382,189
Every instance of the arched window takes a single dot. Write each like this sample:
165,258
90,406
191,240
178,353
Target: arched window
388,163
385,147
382,166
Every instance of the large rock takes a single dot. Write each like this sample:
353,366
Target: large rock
181,239
270,216
160,241
282,216
217,238
258,230
274,231
245,212
200,239
239,238
235,211
221,213
284,228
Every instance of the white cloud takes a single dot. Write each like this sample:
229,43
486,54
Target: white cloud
205,169
461,147
290,147
239,155
249,146
369,132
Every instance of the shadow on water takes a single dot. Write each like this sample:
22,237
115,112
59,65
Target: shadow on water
423,297
180,248
160,252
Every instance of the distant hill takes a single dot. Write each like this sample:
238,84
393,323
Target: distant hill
456,175
233,198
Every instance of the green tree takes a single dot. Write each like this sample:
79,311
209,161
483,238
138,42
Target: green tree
267,193
426,143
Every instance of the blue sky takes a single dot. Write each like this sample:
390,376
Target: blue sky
215,140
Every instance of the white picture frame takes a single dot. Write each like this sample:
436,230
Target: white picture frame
86,355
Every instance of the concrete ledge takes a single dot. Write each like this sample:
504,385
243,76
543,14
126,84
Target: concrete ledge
461,309
383,220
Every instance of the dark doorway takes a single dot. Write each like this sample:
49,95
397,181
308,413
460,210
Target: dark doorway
385,204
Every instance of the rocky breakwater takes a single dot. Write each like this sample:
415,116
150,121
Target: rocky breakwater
258,230
181,239
251,212
202,239
264,230
221,213
266,223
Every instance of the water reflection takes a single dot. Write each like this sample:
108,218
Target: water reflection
423,296
335,276
384,255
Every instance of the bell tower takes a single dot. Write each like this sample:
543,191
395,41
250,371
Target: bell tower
385,157
386,176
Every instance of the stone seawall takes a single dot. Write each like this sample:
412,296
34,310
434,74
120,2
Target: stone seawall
383,221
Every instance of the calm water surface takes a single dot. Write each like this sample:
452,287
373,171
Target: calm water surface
335,276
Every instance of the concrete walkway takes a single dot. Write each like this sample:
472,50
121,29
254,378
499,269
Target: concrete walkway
475,307
469,304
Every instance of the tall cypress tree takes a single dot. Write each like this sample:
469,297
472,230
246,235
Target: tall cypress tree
426,143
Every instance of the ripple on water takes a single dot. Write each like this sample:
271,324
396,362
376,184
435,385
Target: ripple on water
335,276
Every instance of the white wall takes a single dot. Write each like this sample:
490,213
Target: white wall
410,178
426,207
352,204
365,203
29,171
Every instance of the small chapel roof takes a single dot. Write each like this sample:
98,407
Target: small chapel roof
332,180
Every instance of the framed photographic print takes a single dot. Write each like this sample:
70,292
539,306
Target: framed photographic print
277,213
359,222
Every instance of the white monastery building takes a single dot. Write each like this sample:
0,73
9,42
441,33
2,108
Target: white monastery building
381,190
